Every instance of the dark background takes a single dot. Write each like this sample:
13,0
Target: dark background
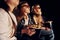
50,9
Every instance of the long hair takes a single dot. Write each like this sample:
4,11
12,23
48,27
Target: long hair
20,14
4,5
40,18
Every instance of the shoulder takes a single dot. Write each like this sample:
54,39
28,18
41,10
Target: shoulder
3,18
3,15
3,12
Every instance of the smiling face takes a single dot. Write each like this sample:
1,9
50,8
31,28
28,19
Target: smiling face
25,8
37,9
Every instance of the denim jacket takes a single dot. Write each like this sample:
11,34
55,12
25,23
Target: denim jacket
22,22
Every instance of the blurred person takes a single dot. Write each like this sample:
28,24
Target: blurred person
24,20
42,32
8,21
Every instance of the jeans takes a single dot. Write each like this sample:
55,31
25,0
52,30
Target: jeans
46,35
39,35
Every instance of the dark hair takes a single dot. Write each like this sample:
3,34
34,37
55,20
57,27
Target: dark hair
20,15
21,4
19,7
4,5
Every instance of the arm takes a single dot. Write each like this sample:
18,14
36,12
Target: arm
3,26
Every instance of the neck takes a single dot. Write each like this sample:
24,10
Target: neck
37,15
25,14
11,7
